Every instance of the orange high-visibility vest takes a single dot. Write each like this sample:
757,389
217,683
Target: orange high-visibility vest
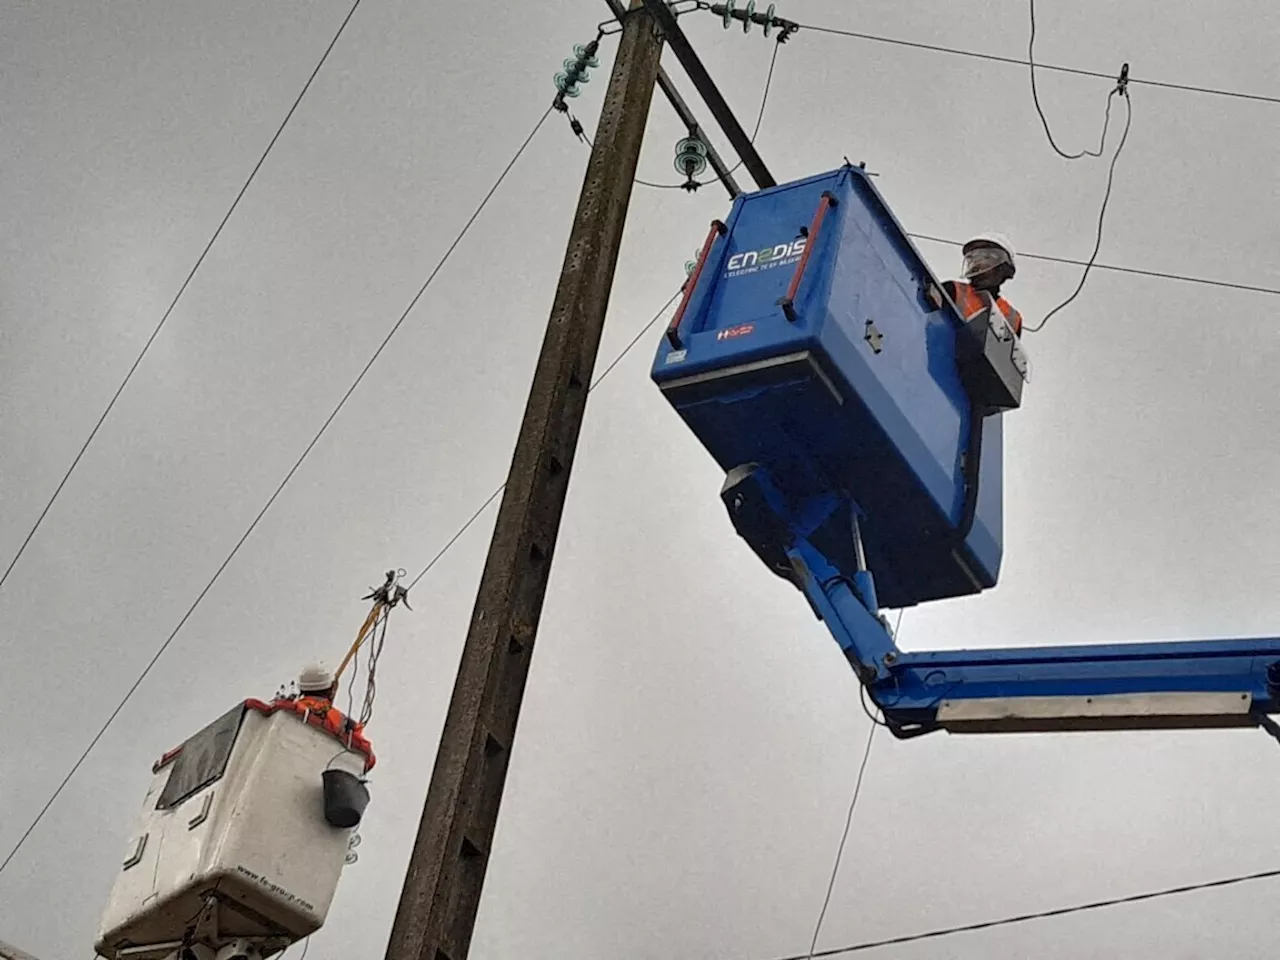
973,303
321,713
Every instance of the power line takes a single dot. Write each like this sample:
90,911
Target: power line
181,290
1014,61
844,837
1121,89
1039,915
634,340
1090,264
494,496
853,803
1157,274
1102,213
1035,97
261,513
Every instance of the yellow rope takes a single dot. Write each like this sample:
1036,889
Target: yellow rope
369,621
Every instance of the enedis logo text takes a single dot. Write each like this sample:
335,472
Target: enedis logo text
766,258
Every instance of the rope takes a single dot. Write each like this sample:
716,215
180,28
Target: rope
371,679
368,624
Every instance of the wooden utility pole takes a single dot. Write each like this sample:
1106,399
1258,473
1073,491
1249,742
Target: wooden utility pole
442,888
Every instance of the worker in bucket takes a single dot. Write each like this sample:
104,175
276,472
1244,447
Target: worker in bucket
317,688
988,263
317,683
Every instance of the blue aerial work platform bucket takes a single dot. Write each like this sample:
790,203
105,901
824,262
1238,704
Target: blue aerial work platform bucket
814,341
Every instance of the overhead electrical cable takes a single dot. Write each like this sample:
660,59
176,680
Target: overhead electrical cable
844,837
1090,264
496,493
1102,214
272,499
1035,97
848,820
181,290
1014,61
1155,274
1038,915
1121,89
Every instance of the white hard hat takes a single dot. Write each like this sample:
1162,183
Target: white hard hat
991,240
315,678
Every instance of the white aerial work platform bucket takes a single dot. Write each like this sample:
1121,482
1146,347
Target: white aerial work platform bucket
233,854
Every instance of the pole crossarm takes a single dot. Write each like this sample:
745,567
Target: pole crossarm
686,116
738,139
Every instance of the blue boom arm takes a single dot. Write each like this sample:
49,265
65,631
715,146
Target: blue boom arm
1132,686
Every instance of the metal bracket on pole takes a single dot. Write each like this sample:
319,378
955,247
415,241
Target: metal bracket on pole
738,138
686,117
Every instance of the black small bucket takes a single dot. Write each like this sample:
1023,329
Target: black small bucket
345,797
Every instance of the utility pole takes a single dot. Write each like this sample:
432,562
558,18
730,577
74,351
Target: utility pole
442,887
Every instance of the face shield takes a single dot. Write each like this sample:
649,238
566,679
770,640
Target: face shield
981,260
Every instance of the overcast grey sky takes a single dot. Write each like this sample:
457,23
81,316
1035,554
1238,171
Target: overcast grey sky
685,757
